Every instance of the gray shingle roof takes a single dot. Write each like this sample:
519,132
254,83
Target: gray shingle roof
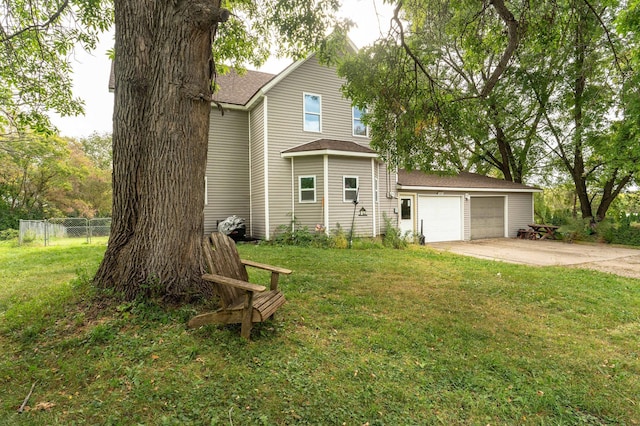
232,88
330,144
239,89
418,178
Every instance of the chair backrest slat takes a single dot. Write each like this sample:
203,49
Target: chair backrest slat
222,258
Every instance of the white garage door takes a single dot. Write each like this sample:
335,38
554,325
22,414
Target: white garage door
441,217
487,217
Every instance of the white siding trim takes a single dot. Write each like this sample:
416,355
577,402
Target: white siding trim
206,191
325,201
457,189
329,152
506,216
266,169
293,196
250,178
373,196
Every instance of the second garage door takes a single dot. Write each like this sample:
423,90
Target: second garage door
487,217
441,216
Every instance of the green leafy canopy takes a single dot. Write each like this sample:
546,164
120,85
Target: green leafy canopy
37,39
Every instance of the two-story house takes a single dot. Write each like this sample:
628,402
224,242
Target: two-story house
291,146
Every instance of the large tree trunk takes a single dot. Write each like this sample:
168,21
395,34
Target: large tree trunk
163,73
612,189
580,82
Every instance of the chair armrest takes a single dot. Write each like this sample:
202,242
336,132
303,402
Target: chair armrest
243,285
266,267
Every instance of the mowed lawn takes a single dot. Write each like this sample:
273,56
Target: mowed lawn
376,337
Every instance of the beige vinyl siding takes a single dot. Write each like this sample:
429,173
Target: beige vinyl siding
228,187
308,214
285,127
257,171
342,212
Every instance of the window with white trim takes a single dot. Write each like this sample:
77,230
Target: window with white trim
350,188
312,113
307,189
359,129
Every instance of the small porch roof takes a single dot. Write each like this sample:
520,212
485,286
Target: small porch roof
330,147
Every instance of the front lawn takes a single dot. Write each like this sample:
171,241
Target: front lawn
394,337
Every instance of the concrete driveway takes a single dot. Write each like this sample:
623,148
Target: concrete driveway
601,257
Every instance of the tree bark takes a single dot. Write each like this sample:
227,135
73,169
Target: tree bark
580,82
611,190
163,71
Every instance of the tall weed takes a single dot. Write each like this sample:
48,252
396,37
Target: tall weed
393,237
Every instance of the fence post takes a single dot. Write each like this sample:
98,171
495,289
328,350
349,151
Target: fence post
46,232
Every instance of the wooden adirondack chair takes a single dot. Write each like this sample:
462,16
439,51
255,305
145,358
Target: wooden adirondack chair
242,302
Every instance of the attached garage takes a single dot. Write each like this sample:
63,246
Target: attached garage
442,217
466,206
487,217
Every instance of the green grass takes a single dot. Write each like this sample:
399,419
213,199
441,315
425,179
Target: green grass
378,336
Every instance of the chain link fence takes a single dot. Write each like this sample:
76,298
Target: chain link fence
64,230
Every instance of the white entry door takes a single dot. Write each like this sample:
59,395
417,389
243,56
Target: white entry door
441,216
407,211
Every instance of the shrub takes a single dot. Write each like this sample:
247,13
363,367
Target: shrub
339,238
577,230
296,235
392,235
9,234
621,234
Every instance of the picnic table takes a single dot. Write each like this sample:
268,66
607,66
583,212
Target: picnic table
543,232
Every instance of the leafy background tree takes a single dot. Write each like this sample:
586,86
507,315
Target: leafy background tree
43,176
524,90
37,38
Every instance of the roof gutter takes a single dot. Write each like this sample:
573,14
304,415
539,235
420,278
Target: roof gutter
466,189
328,152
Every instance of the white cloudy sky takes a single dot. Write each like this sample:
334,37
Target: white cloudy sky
91,70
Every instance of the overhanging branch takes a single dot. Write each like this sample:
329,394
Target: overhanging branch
7,37
514,39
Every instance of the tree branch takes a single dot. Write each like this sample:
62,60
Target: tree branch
608,34
514,39
206,15
405,46
52,19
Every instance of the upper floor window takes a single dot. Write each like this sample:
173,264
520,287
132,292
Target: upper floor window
312,113
350,188
359,129
307,189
